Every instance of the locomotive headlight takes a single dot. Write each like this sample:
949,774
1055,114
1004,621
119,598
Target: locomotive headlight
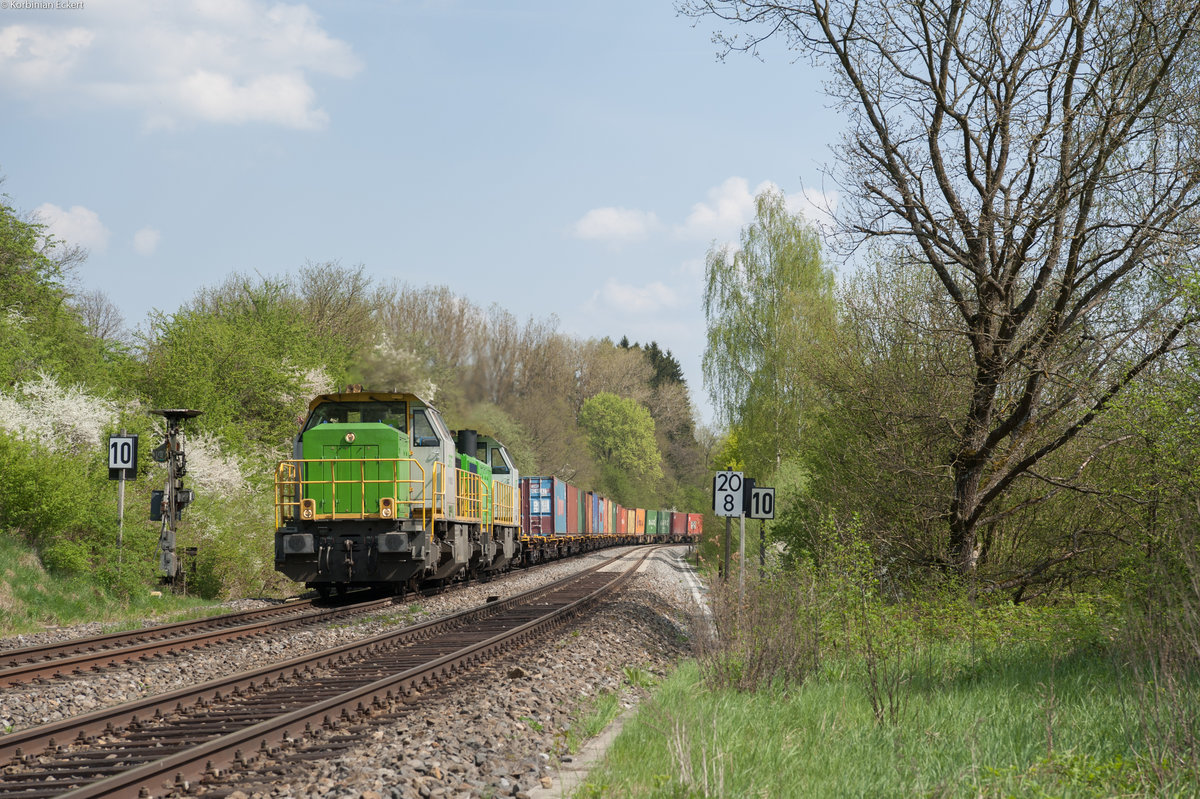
308,509
349,438
386,507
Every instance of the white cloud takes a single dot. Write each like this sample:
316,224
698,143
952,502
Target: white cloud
730,207
145,241
218,61
78,226
631,300
39,56
616,224
691,269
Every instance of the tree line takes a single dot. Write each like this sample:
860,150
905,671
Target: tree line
1002,390
251,351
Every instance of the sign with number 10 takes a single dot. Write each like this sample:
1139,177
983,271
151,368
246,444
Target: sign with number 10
122,457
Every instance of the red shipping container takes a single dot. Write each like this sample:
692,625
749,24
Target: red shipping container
525,507
572,510
589,512
695,524
678,525
622,521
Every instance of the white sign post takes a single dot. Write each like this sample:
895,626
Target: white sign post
728,496
727,493
122,463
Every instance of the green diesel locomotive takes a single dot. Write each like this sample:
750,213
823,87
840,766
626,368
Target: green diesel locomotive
380,494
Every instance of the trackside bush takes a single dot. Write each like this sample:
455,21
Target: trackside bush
772,637
50,500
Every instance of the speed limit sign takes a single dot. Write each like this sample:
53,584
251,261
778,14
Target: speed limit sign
728,489
122,457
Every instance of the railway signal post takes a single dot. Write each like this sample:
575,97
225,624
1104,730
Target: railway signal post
760,504
169,503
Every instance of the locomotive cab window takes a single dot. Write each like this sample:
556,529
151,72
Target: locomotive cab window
423,434
393,414
329,412
389,413
500,462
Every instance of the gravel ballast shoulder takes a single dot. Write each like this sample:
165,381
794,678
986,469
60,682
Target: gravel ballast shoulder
505,734
499,735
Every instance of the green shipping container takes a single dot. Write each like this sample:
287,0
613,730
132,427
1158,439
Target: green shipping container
651,523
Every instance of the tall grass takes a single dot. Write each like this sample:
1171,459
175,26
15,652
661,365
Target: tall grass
819,686
1015,721
32,599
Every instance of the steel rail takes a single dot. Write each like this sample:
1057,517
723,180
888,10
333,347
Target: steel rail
32,654
194,762
22,743
28,672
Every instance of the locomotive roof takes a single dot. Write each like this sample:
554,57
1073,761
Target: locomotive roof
368,396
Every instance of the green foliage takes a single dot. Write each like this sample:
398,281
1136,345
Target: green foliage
65,507
621,434
234,537
1018,702
50,499
599,712
31,598
242,358
767,303
39,330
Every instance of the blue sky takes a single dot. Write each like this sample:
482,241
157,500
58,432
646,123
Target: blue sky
567,158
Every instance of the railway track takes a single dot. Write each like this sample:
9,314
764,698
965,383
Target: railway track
30,664
288,710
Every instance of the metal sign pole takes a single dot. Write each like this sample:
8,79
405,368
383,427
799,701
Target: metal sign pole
725,571
121,515
120,520
762,548
741,562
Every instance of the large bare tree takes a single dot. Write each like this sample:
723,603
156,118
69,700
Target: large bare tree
1043,159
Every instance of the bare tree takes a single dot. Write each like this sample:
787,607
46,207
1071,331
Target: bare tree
1040,158
101,317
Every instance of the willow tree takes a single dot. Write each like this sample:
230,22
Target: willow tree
765,301
1040,159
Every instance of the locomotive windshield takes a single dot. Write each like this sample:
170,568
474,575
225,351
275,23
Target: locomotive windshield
500,462
423,430
390,413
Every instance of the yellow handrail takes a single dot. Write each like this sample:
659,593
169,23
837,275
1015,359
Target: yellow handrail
289,488
426,494
504,506
473,494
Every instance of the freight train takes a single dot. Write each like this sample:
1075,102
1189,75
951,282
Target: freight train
380,493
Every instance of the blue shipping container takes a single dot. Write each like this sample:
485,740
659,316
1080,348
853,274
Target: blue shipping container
547,505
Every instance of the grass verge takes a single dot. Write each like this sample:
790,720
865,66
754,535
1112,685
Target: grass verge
1022,722
603,708
31,599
